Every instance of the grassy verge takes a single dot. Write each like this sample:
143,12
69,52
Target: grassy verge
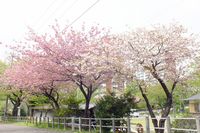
45,126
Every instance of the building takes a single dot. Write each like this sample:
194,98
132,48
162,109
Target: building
41,111
194,104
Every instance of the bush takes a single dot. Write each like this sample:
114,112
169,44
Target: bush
70,106
66,112
111,106
184,124
23,112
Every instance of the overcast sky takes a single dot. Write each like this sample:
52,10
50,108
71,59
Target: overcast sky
16,15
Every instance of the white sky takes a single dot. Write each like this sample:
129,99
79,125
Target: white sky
16,15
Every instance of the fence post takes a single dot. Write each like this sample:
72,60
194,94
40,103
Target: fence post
36,120
89,125
100,125
64,123
113,124
48,122
52,122
39,120
44,120
72,123
27,120
128,125
147,124
79,124
168,124
58,122
198,124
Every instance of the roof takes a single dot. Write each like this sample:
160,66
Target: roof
194,97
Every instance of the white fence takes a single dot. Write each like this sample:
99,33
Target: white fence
101,125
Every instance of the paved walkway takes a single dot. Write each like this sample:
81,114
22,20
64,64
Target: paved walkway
10,128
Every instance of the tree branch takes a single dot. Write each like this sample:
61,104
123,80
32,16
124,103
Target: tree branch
147,102
82,89
174,86
162,83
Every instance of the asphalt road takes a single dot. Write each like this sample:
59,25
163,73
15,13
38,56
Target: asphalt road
10,128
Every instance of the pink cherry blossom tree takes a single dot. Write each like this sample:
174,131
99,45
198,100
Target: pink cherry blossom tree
14,94
31,77
79,56
164,54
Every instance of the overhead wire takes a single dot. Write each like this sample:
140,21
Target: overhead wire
52,13
57,8
44,12
69,8
82,14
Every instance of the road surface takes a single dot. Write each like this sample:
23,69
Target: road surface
10,128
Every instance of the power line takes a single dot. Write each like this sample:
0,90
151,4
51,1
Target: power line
49,16
45,11
83,13
69,8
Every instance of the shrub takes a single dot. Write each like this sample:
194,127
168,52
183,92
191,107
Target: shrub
70,106
184,124
111,106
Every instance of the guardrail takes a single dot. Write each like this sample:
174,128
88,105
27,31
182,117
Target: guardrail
99,125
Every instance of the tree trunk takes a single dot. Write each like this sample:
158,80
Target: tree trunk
16,99
87,94
164,115
55,103
165,112
16,103
15,109
87,104
161,125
